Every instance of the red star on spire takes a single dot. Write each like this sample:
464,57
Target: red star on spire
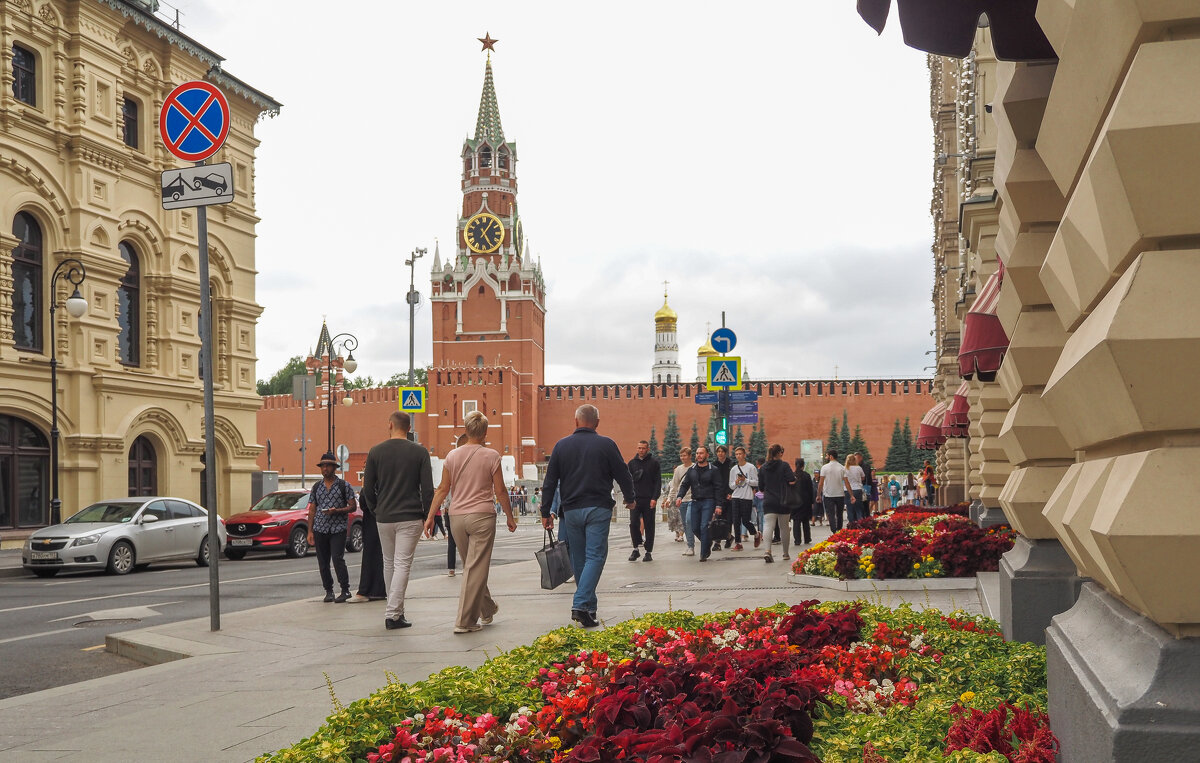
488,42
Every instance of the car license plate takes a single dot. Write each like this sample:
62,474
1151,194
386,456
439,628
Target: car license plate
241,542
43,556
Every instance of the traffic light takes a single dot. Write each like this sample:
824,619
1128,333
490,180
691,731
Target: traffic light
722,436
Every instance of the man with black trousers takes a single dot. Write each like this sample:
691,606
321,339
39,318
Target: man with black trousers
801,534
330,503
647,487
704,483
725,464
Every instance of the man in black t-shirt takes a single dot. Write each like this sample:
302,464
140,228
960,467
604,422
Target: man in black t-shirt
647,486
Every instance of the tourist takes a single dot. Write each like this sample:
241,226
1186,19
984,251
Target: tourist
398,482
330,503
743,483
928,482
725,464
582,469
647,487
703,482
910,490
893,489
777,479
833,485
371,586
802,510
472,478
818,507
856,508
683,509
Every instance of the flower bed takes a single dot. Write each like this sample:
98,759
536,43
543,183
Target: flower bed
830,682
908,544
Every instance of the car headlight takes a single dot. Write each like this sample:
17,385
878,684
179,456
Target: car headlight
280,523
87,540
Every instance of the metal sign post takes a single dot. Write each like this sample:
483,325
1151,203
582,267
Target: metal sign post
193,123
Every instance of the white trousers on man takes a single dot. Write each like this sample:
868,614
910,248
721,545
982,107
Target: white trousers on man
399,542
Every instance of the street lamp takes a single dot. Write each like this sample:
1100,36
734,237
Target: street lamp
412,298
72,270
350,364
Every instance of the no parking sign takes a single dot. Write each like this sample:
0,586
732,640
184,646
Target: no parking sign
194,121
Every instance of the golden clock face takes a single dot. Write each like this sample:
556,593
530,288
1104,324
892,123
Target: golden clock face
484,233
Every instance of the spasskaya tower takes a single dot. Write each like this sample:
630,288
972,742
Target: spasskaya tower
489,304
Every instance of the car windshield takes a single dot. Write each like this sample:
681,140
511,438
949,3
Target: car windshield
282,502
106,512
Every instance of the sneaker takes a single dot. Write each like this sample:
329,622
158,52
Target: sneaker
635,555
768,559
341,597
584,618
690,552
737,547
757,539
648,557
450,572
704,558
467,629
328,597
399,622
728,543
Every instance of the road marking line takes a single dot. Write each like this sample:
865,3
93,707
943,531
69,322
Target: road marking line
93,648
35,635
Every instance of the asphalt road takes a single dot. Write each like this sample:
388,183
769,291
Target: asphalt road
52,631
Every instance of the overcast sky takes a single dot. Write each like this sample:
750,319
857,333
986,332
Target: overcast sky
769,159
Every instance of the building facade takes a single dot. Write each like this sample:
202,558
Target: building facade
81,85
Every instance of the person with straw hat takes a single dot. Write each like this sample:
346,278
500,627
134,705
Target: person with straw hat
330,504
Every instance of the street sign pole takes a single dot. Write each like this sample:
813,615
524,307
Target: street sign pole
210,434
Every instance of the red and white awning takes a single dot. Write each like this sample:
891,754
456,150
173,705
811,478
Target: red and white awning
929,434
955,422
983,339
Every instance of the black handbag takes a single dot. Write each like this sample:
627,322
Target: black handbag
718,528
555,562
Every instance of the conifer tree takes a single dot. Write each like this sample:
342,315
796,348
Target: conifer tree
695,441
831,442
897,456
671,444
758,443
844,436
739,440
859,445
653,443
912,456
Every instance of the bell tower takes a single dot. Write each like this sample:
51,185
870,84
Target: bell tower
488,300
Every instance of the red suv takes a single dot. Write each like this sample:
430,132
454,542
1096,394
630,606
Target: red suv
279,522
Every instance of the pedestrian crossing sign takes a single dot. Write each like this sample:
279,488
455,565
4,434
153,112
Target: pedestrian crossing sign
412,399
724,373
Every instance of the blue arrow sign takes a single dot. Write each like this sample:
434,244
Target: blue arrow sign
743,396
736,408
745,418
723,340
707,398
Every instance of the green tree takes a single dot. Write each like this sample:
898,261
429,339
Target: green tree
758,443
671,444
844,436
739,439
360,382
912,457
653,443
281,382
897,454
859,445
831,442
695,441
400,378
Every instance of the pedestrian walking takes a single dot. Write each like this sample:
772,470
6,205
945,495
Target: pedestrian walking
777,481
370,572
758,499
647,487
398,480
582,469
704,484
802,509
330,503
743,484
472,478
929,482
683,509
833,485
725,464
856,508
910,489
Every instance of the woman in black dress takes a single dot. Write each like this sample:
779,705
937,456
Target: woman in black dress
370,574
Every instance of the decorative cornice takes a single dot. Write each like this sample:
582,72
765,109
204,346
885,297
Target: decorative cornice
93,153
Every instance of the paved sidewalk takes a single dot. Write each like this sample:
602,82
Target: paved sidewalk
258,684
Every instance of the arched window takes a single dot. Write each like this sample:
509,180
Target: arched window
129,311
485,156
27,283
468,163
479,360
143,469
24,75
502,159
24,474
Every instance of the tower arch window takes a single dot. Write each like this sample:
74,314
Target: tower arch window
24,474
468,163
485,156
27,297
143,468
502,159
24,75
129,311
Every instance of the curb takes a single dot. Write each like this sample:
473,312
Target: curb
14,572
898,584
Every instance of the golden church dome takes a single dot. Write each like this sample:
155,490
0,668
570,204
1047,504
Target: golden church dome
665,314
706,350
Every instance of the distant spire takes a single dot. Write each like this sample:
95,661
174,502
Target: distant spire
437,255
487,125
324,345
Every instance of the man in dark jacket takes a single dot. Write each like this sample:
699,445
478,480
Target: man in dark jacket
706,485
802,512
582,469
647,486
725,464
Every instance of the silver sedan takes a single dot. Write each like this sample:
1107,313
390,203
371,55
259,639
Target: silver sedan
122,535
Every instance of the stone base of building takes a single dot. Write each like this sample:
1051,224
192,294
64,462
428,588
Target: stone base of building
986,516
1037,581
1121,688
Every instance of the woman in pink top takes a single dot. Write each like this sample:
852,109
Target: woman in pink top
472,478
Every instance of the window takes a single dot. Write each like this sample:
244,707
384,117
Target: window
181,510
468,406
24,75
130,113
129,307
502,159
479,360
24,474
485,156
27,283
143,469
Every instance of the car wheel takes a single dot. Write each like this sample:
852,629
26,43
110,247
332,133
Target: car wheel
354,541
298,542
202,556
220,190
175,196
121,558
196,185
235,554
45,573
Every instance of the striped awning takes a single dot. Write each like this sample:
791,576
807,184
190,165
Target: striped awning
955,422
983,339
929,434
947,27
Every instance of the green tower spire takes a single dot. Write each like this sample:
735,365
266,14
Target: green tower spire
487,125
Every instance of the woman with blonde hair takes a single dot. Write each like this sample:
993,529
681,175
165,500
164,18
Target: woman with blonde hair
473,479
855,509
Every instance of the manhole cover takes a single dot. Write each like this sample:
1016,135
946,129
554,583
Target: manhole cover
661,584
100,623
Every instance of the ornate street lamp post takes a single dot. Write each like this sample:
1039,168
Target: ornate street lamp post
73,271
350,343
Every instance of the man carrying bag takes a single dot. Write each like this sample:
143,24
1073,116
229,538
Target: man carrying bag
555,561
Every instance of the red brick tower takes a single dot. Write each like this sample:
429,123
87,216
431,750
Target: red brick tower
489,304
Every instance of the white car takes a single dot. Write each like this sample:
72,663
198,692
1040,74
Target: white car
122,535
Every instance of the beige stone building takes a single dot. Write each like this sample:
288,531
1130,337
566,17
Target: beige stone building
81,86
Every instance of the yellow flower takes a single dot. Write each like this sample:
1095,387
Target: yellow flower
916,566
966,696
